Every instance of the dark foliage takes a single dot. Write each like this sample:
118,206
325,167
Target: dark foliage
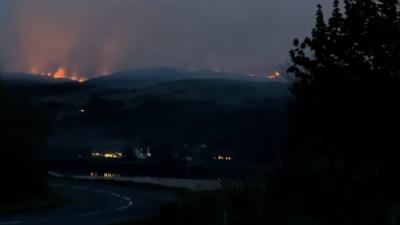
344,165
20,138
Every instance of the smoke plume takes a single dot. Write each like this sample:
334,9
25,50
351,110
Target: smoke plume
84,38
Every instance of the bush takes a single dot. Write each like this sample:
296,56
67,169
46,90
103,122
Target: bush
343,161
21,136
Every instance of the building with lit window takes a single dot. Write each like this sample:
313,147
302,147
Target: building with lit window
107,154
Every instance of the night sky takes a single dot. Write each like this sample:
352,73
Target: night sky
91,37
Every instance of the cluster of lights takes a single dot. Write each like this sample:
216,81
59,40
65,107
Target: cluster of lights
96,154
59,73
109,175
271,76
106,175
223,158
115,155
108,155
274,75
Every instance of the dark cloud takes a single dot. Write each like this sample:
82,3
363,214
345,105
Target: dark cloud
89,37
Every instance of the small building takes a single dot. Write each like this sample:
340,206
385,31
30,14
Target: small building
142,153
107,154
223,157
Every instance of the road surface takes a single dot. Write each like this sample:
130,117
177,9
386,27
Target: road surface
94,204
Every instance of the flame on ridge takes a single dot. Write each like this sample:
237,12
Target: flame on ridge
59,73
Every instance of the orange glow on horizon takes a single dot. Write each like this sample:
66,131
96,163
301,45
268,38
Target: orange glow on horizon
60,73
274,75
34,70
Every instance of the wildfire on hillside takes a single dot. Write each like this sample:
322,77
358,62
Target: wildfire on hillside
59,73
274,75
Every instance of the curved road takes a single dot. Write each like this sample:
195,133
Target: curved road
94,204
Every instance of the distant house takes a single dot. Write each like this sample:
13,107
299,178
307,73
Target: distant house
223,157
142,153
107,154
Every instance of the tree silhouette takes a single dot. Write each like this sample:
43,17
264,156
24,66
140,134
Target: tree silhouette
351,64
348,127
361,45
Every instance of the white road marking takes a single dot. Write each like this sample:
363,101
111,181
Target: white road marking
122,208
125,206
130,203
88,214
10,222
78,187
115,194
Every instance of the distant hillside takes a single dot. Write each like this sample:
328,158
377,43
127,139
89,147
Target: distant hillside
26,78
148,77
220,90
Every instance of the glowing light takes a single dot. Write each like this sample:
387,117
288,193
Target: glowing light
274,75
113,155
95,154
110,175
77,77
93,174
105,175
107,155
223,158
33,70
60,73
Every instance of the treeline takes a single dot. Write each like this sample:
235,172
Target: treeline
342,166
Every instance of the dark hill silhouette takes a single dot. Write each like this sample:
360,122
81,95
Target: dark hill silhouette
148,77
31,78
220,90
